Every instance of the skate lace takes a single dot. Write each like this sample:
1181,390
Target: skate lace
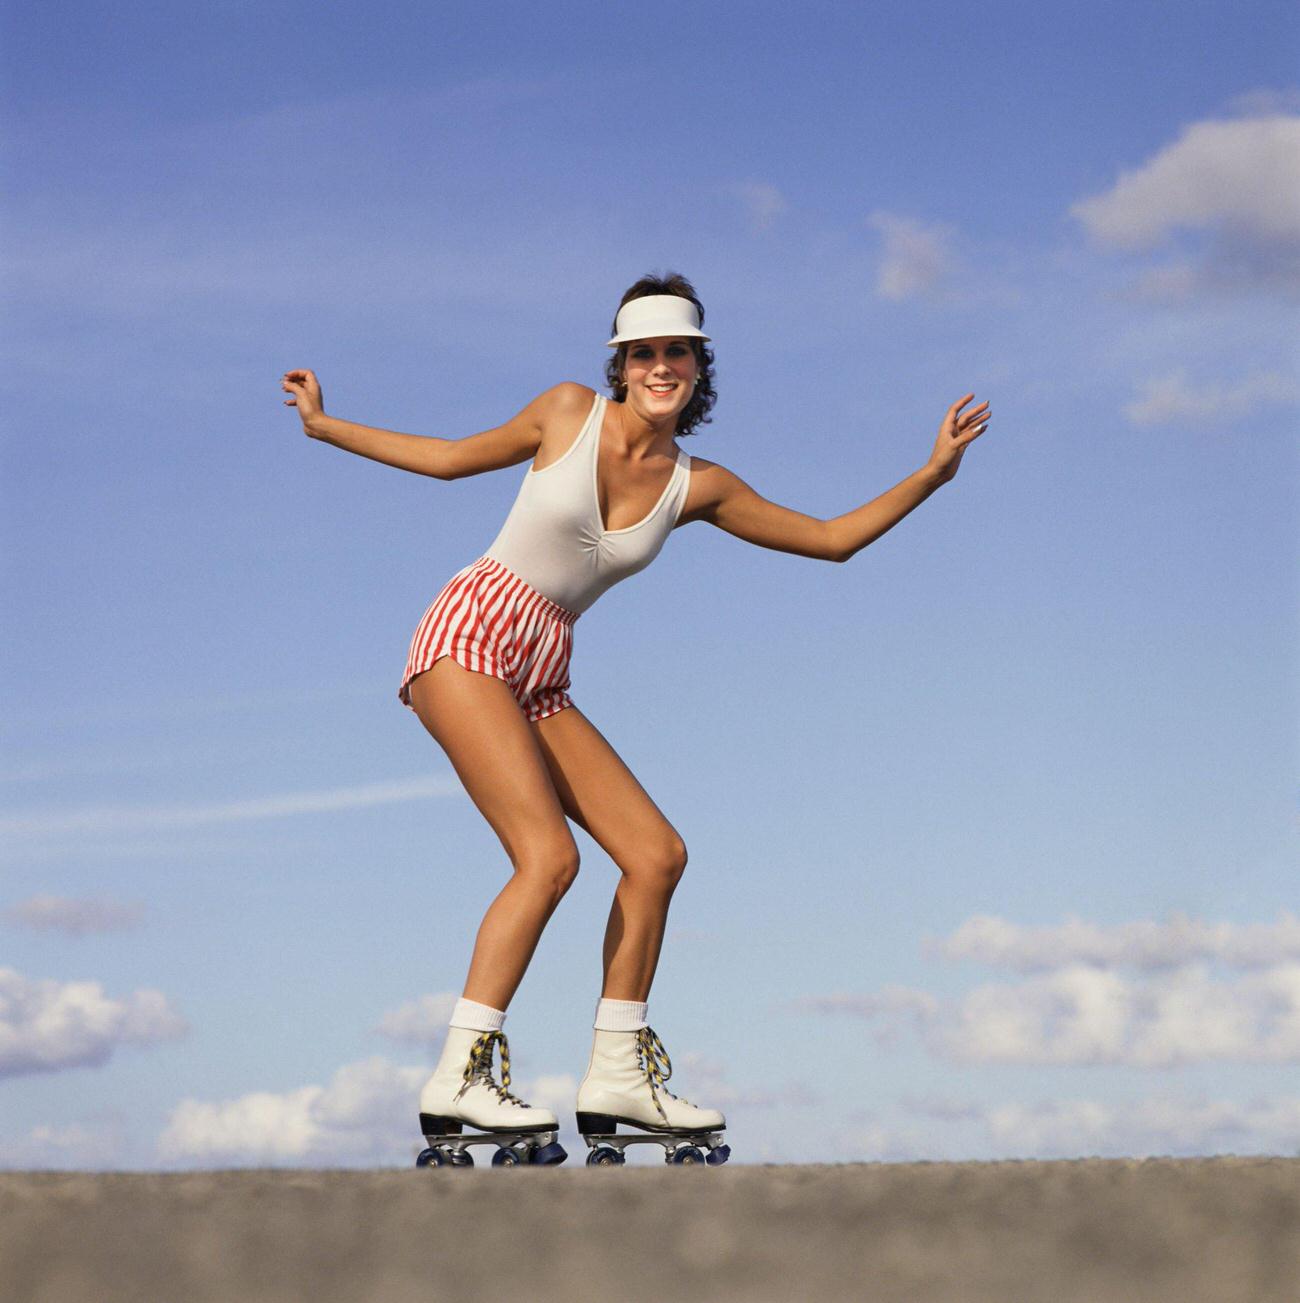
479,1067
653,1060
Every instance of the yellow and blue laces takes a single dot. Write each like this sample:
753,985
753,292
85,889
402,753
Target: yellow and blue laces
479,1067
653,1060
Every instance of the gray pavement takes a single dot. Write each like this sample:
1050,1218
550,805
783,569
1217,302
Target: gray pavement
1224,1230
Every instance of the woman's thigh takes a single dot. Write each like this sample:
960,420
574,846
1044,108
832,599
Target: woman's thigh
601,794
477,722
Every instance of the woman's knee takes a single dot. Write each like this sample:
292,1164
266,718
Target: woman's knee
551,862
658,866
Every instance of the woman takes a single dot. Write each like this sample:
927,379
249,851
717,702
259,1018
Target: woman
488,675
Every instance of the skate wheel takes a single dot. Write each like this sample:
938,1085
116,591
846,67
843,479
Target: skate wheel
460,1158
506,1158
429,1158
548,1155
604,1156
686,1156
718,1156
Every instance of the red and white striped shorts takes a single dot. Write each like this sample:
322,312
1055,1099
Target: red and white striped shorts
489,620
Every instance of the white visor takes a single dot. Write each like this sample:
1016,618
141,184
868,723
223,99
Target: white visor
656,315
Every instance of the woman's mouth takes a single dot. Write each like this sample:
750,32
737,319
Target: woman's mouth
662,389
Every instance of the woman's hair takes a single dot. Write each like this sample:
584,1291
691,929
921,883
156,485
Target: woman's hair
696,412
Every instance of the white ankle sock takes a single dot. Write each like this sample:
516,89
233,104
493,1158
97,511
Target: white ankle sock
477,1017
620,1015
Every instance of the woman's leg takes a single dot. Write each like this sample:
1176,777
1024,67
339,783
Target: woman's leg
477,722
601,794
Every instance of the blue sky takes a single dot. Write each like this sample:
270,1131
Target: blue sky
992,830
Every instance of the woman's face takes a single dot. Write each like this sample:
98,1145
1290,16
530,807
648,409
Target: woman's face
660,375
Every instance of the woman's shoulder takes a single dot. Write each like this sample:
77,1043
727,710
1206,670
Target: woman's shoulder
564,407
569,396
562,411
710,485
704,467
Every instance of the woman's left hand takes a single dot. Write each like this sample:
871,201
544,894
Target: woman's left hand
955,435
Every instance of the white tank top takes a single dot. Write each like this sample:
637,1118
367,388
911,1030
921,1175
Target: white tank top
554,539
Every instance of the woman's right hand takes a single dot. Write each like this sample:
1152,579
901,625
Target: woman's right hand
305,395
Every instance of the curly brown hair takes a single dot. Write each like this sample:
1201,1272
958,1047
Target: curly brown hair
696,412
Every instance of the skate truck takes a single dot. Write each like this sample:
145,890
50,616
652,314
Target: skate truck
681,1148
448,1145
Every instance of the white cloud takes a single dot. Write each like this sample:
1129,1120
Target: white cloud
556,1092
1236,180
75,917
763,202
97,1143
1079,1015
994,941
915,258
1175,398
939,1130
102,819
1241,174
1265,102
891,1009
703,1080
368,1113
1082,1014
48,1026
1171,282
1078,1006
260,1125
1160,1125
422,1021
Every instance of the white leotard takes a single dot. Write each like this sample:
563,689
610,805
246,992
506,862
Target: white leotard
554,539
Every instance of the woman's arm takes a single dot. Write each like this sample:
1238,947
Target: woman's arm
730,504
445,459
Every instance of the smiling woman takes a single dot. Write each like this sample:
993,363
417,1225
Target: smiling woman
487,673
696,412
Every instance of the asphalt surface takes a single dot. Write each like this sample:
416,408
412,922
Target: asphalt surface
1220,1230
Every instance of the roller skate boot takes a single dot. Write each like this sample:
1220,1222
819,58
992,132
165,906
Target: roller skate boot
625,1086
463,1092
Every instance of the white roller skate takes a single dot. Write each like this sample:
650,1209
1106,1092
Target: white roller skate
463,1091
625,1085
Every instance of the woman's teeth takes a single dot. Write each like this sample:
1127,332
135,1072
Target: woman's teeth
661,389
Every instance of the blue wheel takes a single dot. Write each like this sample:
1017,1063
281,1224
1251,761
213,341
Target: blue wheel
429,1158
718,1156
686,1156
605,1156
549,1155
506,1158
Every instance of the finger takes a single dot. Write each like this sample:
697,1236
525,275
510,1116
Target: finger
957,406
